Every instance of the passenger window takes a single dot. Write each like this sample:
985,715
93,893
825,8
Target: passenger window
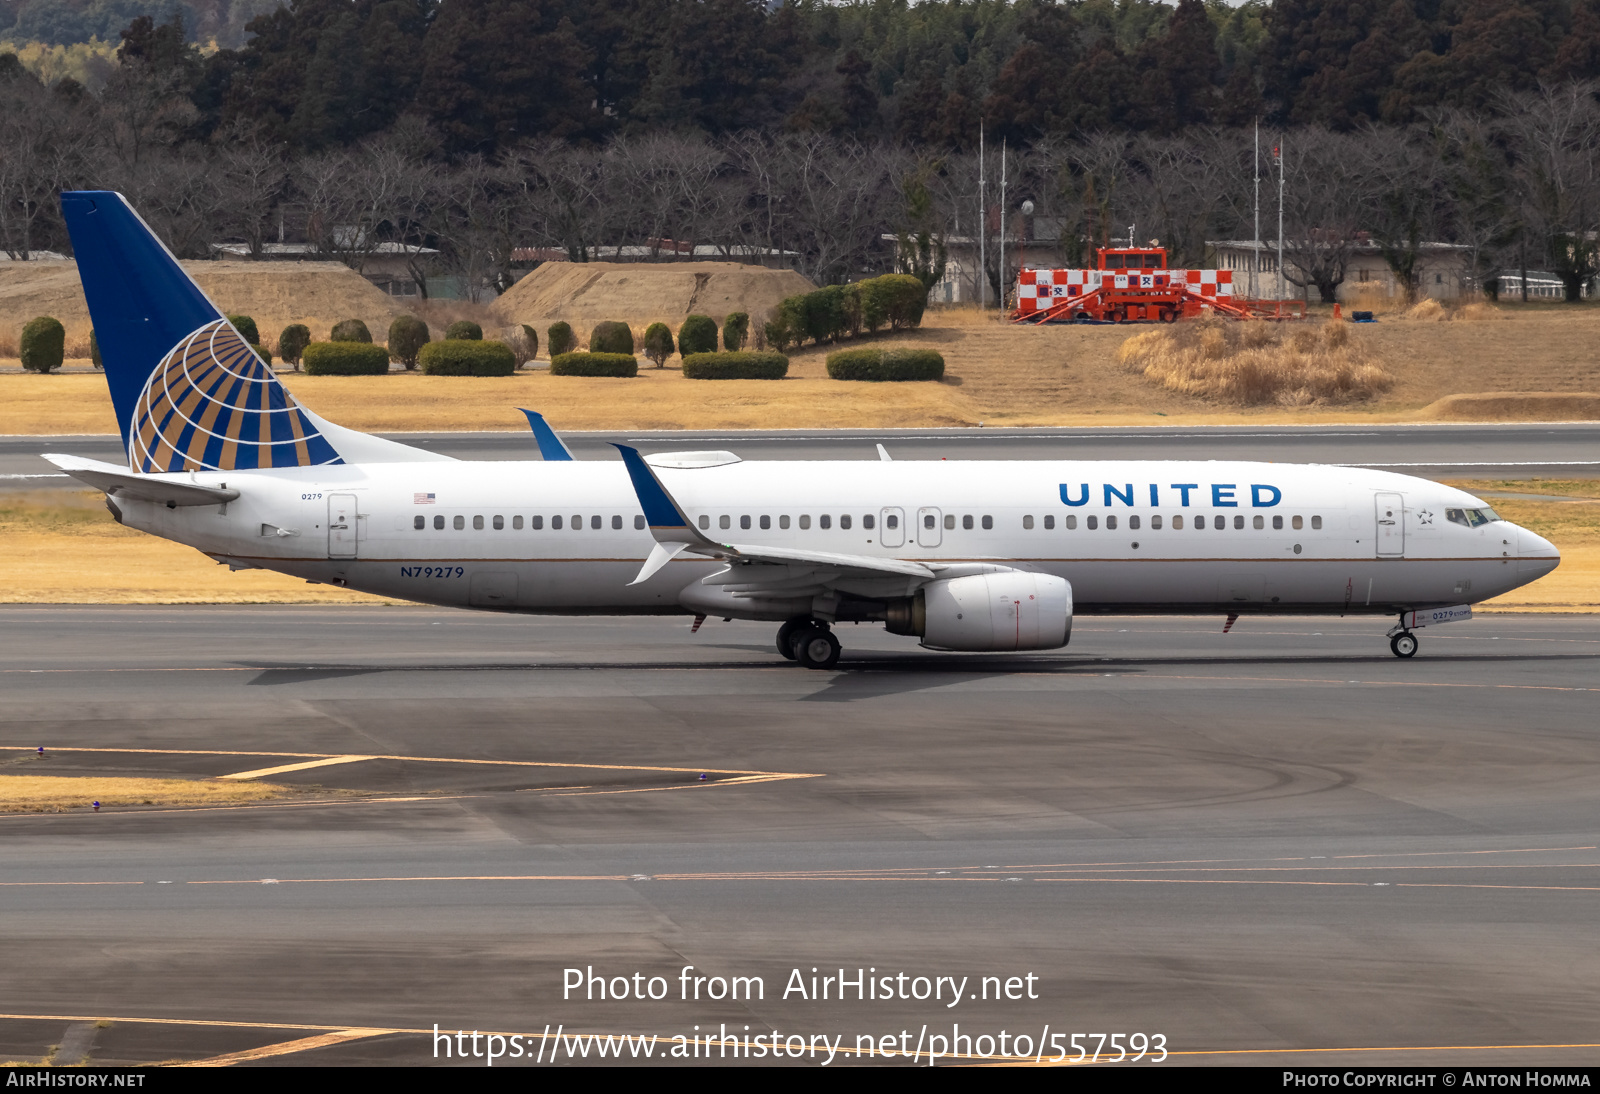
516,524
499,523
988,523
744,522
723,521
866,522
1133,523
1200,523
477,524
555,523
1238,521
1027,523
638,522
1092,523
1316,524
438,524
1049,522
1071,522
950,521
927,520
1155,523
1219,522
844,521
459,523
1299,523
577,523
597,522
616,522
824,521
966,522
805,520
419,523
1111,523
766,522
536,522
1177,523
783,521
1259,522
705,522
1277,524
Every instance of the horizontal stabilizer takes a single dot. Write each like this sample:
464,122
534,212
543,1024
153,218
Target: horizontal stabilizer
119,482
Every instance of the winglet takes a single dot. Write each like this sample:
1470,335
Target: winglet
668,522
551,447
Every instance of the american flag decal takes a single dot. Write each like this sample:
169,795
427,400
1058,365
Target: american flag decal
424,499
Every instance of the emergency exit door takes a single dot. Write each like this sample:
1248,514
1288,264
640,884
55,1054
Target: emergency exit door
342,525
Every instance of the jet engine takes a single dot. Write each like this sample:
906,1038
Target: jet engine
1002,611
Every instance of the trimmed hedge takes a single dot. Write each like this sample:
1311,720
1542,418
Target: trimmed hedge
738,365
247,327
840,311
463,330
346,358
735,331
407,336
610,337
658,343
466,357
44,344
697,335
894,364
559,339
292,343
594,364
350,330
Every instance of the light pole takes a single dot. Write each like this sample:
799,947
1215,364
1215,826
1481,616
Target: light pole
1022,231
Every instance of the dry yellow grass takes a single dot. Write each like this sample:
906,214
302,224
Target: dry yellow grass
57,793
68,550
1256,363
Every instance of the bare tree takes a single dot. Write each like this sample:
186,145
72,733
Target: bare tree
1324,209
1553,133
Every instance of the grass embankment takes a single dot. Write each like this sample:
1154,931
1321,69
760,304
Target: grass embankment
59,793
66,549
996,372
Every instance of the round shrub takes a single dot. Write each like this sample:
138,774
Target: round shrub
94,350
738,365
735,331
263,353
658,343
560,339
529,347
350,330
611,338
44,344
467,357
346,359
697,335
292,343
777,331
594,364
894,364
898,298
463,330
247,327
407,336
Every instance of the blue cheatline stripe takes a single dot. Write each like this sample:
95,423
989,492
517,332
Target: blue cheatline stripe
551,446
659,510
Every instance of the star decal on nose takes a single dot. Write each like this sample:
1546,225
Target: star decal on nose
1425,516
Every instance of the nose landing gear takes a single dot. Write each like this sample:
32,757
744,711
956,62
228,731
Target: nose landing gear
810,642
1404,644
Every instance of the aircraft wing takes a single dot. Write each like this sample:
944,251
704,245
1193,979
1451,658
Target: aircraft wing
769,568
119,482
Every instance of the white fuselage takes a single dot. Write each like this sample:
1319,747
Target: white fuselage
568,537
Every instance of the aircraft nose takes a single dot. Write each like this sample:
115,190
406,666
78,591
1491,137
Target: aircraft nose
1535,554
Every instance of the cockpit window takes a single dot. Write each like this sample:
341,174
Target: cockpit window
1471,518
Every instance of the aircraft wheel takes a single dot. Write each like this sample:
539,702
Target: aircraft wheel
1404,644
786,635
816,648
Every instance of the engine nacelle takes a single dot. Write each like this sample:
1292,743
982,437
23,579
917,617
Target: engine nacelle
1005,611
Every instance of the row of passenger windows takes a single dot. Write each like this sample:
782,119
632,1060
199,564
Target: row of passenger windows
825,521
536,522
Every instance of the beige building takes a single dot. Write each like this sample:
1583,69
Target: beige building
1443,273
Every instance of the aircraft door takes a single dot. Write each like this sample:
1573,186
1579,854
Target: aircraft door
892,528
343,525
1391,514
928,528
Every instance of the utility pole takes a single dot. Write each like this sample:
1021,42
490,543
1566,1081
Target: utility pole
1255,252
1003,223
1278,151
983,224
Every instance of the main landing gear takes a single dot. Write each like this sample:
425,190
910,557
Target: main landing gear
810,642
1404,644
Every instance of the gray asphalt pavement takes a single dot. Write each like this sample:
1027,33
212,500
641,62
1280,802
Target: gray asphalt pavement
1516,450
1256,844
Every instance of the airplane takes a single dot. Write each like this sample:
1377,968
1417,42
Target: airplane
963,555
